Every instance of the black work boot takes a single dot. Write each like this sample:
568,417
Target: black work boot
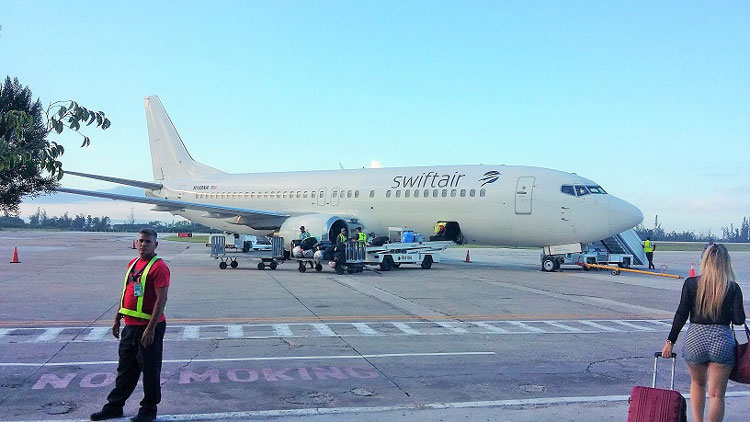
106,414
144,416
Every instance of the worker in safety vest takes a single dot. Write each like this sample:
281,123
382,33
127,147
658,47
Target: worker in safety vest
439,227
649,247
303,233
361,236
144,296
342,236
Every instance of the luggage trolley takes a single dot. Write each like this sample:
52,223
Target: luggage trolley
351,261
218,251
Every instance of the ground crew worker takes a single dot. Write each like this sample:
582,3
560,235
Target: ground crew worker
342,236
439,227
649,247
142,302
303,234
361,236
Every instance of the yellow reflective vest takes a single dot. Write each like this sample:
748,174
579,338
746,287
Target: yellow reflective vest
342,238
647,246
362,237
138,312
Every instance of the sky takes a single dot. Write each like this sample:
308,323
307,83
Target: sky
648,99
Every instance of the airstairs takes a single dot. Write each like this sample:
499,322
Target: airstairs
625,243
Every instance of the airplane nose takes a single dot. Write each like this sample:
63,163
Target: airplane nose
623,215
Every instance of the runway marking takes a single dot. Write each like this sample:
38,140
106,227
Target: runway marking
491,328
191,332
324,330
97,334
406,329
282,330
48,335
365,329
235,331
342,329
253,359
262,414
599,326
631,325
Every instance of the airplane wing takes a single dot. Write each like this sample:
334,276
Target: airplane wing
257,219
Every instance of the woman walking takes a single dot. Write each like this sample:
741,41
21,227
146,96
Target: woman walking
712,301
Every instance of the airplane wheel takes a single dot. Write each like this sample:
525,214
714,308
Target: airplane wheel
318,267
339,269
548,264
387,263
615,272
396,264
302,268
350,270
261,266
234,264
273,265
427,262
223,265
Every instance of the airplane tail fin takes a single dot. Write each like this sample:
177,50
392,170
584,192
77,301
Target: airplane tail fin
169,157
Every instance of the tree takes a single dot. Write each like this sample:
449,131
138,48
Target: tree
29,162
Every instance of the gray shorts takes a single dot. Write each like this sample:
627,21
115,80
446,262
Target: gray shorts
709,343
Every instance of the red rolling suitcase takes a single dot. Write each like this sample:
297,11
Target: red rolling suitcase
650,404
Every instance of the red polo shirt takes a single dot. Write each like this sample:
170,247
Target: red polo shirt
158,276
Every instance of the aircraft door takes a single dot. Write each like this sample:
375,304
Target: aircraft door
524,191
335,196
322,196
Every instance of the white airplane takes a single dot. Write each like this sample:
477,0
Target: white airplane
486,204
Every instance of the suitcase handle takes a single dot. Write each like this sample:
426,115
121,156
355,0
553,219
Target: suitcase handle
673,358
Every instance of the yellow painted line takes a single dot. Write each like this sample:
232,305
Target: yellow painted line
606,267
208,321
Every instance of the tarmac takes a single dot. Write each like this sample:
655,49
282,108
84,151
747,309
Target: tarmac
492,340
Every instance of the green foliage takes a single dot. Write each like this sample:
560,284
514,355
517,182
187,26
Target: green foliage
29,162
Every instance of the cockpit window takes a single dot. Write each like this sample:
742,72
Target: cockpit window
596,190
568,189
582,190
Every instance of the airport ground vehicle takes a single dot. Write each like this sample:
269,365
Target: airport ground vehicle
624,250
394,253
268,257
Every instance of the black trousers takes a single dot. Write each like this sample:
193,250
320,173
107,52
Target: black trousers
134,360
650,257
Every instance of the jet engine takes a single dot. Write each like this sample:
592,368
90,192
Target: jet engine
323,226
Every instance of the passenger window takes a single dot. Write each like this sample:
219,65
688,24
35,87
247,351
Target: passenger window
445,193
463,193
416,193
356,194
407,193
335,194
322,194
304,194
388,193
196,196
482,192
247,195
372,194
426,193
582,190
349,194
568,189
284,195
453,193
398,193
342,193
299,194
472,193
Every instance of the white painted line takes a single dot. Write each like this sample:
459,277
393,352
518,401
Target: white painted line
491,328
365,329
4,331
263,414
600,326
406,328
564,327
270,358
526,327
452,327
97,333
235,331
324,330
191,332
282,330
658,323
637,327
48,335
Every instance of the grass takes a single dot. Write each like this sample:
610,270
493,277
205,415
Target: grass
194,239
697,246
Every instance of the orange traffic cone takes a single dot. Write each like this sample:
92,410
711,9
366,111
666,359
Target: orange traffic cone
133,247
15,256
692,270
467,256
